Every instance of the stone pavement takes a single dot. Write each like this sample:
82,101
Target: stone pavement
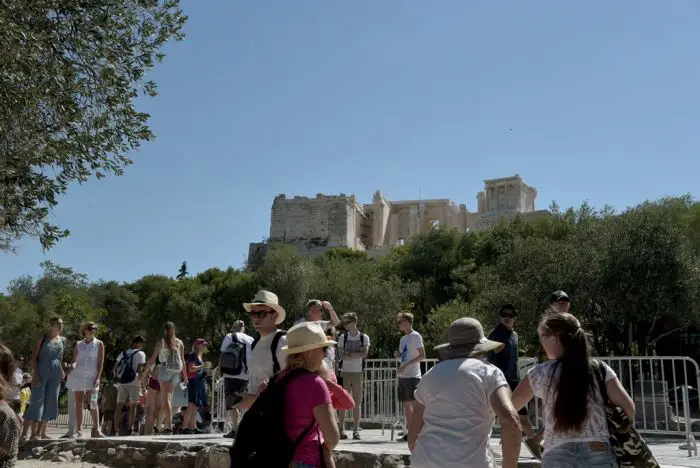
375,442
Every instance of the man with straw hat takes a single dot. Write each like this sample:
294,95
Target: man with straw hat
267,356
455,405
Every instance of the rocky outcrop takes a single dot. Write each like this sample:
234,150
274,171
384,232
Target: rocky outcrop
215,456
120,453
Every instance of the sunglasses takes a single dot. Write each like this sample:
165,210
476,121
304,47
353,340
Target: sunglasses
508,316
91,328
259,313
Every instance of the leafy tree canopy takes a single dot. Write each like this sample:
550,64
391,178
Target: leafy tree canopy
70,72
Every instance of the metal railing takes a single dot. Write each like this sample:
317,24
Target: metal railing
664,389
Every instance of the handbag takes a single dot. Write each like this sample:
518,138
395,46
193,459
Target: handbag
627,444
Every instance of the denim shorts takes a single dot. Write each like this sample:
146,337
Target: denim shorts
165,376
580,455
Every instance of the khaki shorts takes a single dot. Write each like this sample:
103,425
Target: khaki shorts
352,382
128,392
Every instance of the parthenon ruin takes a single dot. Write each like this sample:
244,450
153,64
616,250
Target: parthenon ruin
314,225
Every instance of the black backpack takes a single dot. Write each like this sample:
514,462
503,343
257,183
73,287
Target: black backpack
273,349
234,358
261,440
124,371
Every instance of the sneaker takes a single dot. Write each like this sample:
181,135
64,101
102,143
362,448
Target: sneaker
230,435
534,448
343,436
355,435
67,435
403,438
187,432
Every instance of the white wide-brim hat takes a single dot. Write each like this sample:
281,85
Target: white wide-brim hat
268,299
306,336
466,339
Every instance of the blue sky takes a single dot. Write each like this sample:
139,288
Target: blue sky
595,100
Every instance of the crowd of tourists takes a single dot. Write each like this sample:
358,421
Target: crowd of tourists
295,387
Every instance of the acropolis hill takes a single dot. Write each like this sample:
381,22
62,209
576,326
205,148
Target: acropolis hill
315,225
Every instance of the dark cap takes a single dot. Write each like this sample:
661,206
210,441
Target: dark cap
559,296
508,307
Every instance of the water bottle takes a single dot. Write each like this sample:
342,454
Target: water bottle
93,400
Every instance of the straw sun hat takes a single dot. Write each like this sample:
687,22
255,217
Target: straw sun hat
268,299
466,339
306,336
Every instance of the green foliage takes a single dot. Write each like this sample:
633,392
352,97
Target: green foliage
634,278
70,74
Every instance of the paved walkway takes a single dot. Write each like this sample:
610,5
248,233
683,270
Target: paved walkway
667,451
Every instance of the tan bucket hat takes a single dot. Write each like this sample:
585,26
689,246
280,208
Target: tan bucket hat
306,336
266,298
465,339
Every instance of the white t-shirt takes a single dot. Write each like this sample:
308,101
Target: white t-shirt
260,363
139,358
325,324
595,428
18,379
354,345
458,417
243,338
408,347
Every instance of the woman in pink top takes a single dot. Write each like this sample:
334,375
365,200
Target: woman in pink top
308,401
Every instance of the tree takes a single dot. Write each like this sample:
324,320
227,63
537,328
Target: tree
70,73
182,273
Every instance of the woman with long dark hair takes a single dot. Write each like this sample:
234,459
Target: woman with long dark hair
170,351
575,425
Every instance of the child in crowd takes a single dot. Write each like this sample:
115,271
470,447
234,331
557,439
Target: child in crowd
109,406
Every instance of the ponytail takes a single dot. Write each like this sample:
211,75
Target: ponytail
169,329
575,378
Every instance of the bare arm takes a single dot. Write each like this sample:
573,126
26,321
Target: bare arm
415,425
75,356
100,362
522,394
154,356
325,417
510,426
36,378
332,315
181,347
619,396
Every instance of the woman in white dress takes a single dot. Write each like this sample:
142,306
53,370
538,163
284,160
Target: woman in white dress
84,379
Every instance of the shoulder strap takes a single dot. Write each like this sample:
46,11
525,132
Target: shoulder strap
599,372
273,348
344,336
255,342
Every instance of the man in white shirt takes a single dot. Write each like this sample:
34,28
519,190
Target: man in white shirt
353,346
235,386
267,356
130,391
314,313
411,353
456,402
